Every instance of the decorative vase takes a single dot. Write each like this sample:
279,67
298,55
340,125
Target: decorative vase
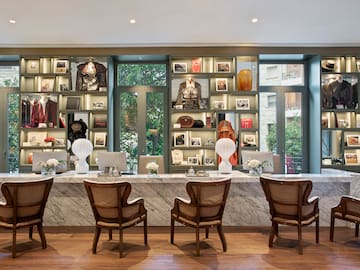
255,170
153,172
245,80
48,171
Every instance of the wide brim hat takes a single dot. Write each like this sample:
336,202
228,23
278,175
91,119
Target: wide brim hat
328,65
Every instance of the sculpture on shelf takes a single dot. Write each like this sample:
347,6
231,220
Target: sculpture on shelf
82,148
225,147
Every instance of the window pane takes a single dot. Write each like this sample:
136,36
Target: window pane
155,124
281,74
268,131
9,76
13,132
141,74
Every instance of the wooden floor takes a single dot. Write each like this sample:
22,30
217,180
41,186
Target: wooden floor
70,248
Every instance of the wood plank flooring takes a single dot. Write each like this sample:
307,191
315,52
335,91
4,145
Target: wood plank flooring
70,248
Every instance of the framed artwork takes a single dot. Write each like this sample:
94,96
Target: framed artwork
100,139
209,161
181,139
177,156
193,161
195,141
219,104
221,84
32,66
353,140
73,103
249,139
242,104
223,67
60,66
47,85
179,67
100,121
63,87
351,158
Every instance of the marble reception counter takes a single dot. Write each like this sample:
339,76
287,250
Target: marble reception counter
68,204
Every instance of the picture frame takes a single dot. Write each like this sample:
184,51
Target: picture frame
353,140
73,103
351,158
180,139
193,161
61,66
219,104
196,65
179,67
195,141
32,66
209,161
221,84
249,140
224,67
242,104
100,139
177,156
47,84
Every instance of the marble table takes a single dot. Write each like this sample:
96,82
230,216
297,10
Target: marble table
68,204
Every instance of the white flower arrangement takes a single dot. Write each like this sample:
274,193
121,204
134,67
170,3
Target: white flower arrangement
50,164
254,164
152,167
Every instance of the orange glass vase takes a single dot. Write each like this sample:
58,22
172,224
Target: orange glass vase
245,80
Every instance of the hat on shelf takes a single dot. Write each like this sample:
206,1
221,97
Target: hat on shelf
328,65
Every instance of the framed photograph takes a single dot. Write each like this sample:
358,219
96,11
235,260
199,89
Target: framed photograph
242,104
63,87
195,141
100,139
32,66
221,84
47,85
193,161
60,66
179,67
100,121
353,140
249,139
223,67
219,104
73,103
181,139
98,105
177,156
351,158
209,161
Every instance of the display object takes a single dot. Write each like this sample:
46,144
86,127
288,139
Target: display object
82,148
245,80
225,148
189,94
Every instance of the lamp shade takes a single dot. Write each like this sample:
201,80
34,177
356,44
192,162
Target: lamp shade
225,147
82,148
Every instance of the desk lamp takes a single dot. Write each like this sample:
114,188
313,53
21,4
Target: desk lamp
225,147
82,148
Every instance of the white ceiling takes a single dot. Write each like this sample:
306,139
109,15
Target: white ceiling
89,23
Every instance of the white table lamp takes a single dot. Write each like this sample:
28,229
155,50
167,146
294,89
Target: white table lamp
225,147
82,148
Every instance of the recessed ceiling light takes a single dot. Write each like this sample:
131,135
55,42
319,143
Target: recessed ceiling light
254,20
12,21
132,21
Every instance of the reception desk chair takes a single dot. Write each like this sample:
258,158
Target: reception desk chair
348,209
109,202
24,207
289,205
204,210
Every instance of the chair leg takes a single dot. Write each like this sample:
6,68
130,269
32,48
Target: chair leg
332,225
145,232
110,234
222,237
197,241
121,242
96,239
172,229
300,244
42,235
30,232
13,248
317,230
272,233
276,229
356,229
207,233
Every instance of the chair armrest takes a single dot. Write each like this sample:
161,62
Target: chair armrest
182,200
314,199
136,200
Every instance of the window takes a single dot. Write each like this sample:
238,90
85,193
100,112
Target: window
141,74
281,74
9,76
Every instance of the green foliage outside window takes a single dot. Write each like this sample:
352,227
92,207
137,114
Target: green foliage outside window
13,132
141,74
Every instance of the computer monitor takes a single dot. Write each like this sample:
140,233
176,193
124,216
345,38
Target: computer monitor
39,157
112,159
261,156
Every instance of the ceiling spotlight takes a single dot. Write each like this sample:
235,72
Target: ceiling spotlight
254,20
12,21
132,21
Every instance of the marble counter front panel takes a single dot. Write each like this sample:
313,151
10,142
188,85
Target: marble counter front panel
68,204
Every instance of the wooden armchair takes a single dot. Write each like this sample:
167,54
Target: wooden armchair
24,207
109,202
204,210
348,209
289,205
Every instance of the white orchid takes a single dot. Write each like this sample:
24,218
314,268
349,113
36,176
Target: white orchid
152,166
254,163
